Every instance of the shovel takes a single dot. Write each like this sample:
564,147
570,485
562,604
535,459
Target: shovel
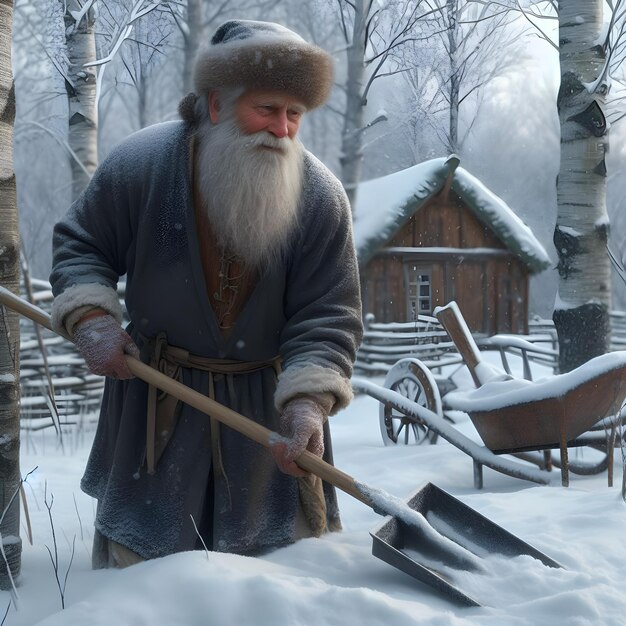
407,532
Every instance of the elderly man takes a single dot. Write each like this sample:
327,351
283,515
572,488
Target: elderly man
241,282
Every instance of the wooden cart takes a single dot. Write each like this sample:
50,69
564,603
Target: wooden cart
523,418
513,418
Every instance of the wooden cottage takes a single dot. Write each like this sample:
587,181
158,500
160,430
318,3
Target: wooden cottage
434,233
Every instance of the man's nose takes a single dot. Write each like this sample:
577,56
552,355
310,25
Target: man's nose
278,125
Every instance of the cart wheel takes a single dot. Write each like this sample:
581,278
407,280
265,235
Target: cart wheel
412,379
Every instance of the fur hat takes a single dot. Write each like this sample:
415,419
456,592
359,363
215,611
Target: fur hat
264,55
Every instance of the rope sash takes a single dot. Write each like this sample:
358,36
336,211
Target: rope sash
162,408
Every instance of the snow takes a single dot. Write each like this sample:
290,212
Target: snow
501,217
380,202
562,305
469,252
500,393
335,579
602,221
387,504
568,230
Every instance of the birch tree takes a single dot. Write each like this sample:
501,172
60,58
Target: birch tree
10,562
86,70
82,73
591,52
581,314
80,84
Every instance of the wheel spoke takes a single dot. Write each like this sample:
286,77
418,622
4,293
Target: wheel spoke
414,385
419,431
396,432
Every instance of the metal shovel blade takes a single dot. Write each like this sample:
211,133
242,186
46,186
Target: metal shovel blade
398,545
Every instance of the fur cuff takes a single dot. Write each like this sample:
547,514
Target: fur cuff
91,295
312,380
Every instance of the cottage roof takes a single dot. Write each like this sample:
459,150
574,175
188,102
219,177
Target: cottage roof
385,204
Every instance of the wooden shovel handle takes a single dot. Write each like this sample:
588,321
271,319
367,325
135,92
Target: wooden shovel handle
234,420
452,320
307,461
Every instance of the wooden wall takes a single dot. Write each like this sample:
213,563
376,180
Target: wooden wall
445,223
491,287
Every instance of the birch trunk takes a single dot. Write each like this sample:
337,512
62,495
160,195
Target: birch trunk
352,137
9,328
195,18
81,93
581,315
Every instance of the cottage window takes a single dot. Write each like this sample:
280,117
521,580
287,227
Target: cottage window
419,291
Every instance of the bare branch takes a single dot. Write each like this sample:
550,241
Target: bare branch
5,614
68,82
78,16
14,594
62,142
344,26
397,40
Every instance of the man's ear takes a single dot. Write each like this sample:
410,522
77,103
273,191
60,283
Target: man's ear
214,106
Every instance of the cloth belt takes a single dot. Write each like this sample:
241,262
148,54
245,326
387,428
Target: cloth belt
163,409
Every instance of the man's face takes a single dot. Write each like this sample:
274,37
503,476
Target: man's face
271,111
249,171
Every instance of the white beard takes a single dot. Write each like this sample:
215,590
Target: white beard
250,192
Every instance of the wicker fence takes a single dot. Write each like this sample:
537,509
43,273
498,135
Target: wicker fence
426,340
618,331
57,389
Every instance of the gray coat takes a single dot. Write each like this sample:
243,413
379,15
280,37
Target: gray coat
136,218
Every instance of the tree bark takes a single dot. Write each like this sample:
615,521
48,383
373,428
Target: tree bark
581,314
9,327
81,93
191,39
352,137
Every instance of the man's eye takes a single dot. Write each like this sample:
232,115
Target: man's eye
265,109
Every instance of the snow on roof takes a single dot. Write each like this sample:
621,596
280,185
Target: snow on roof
385,204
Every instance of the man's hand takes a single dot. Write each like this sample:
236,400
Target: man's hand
302,422
102,342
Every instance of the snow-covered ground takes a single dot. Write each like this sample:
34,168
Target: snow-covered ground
335,579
